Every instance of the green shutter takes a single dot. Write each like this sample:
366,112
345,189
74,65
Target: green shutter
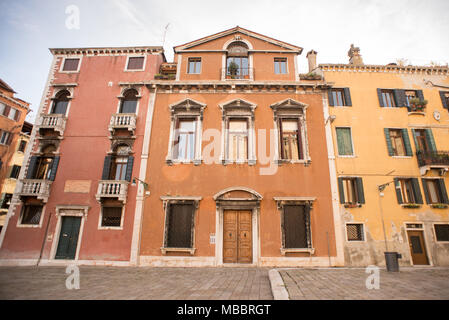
360,193
389,146
398,99
420,95
408,148
426,190
443,192
397,188
54,168
348,101
129,168
430,140
106,167
344,141
417,191
443,99
379,96
414,139
331,100
340,190
31,167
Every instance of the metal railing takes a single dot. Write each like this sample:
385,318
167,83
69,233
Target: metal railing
239,74
433,158
123,121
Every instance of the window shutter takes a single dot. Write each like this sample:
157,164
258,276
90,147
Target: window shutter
6,111
399,97
106,167
340,190
331,99
420,95
379,96
31,167
426,190
180,224
397,188
408,147
360,193
347,97
2,199
389,146
10,137
443,191
417,191
430,140
8,174
414,139
129,168
444,100
300,143
54,168
295,226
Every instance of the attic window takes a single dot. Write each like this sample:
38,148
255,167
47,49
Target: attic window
71,64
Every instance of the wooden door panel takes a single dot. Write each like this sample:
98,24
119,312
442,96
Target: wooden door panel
68,238
237,237
417,247
230,237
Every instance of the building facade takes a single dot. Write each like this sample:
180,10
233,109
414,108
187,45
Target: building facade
237,161
75,200
390,128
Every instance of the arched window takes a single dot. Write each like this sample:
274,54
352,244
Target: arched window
237,64
61,102
129,102
44,167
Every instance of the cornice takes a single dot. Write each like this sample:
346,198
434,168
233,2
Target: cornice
106,50
385,68
15,101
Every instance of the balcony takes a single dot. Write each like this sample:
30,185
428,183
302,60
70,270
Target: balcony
125,121
433,160
36,188
240,74
52,122
112,189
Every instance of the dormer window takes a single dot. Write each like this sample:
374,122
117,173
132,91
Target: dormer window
237,63
61,102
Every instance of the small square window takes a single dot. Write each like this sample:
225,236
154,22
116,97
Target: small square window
71,64
355,232
111,217
280,65
442,232
31,215
194,66
135,63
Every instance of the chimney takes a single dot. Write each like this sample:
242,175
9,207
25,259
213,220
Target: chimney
311,56
354,56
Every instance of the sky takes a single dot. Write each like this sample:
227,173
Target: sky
384,30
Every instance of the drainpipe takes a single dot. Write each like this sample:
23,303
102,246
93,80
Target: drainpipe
43,242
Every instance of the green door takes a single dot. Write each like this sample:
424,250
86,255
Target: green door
68,238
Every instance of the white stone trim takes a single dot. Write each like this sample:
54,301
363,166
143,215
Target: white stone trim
80,57
125,69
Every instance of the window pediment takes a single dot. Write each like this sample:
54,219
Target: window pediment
238,107
187,107
289,107
237,193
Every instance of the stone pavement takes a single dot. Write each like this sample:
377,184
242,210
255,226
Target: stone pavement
350,284
136,283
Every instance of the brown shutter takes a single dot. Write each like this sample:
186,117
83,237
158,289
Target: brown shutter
180,226
17,117
6,111
295,229
299,139
281,139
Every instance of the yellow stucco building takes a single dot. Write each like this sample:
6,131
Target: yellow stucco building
392,159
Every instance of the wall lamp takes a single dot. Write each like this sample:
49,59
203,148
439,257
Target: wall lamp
145,185
331,118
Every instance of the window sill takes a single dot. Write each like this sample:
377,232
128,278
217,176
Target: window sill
191,251
77,71
140,70
173,161
297,250
28,226
421,113
285,161
410,205
439,206
250,162
110,228
402,157
348,156
352,205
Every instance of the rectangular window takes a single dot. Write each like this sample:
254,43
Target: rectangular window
71,64
433,191
22,146
290,139
15,172
296,227
441,232
410,94
194,66
388,98
12,114
280,65
6,200
2,109
119,166
31,214
397,142
135,63
344,141
351,191
355,232
111,216
5,137
237,140
184,143
179,226
407,193
338,97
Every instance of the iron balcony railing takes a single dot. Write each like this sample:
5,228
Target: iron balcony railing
123,121
241,73
52,121
37,188
112,189
440,158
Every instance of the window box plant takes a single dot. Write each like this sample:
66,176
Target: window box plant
352,205
439,206
417,105
411,205
232,69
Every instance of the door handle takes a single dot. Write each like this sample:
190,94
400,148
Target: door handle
65,235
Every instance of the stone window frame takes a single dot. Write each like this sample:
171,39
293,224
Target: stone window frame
121,97
237,38
101,227
280,203
363,231
135,70
435,233
189,109
291,109
19,220
80,57
166,202
57,91
238,109
353,155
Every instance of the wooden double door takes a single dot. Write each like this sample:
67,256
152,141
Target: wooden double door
237,236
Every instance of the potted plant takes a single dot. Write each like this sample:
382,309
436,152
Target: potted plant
439,205
352,205
417,105
411,205
232,69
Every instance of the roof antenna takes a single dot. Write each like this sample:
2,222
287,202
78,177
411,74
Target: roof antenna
165,33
